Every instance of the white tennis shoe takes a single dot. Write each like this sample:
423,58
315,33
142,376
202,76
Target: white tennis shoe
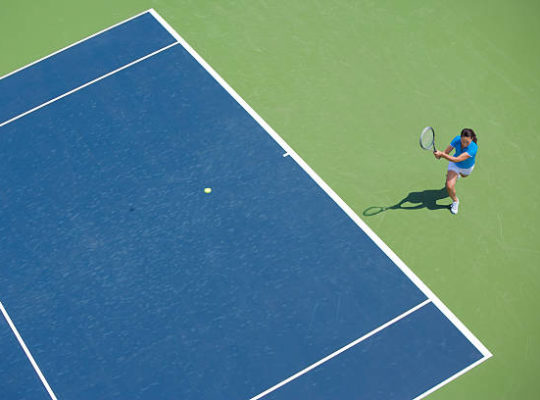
454,207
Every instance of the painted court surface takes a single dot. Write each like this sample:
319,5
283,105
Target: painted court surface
122,278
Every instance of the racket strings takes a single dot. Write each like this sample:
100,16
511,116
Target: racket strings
427,138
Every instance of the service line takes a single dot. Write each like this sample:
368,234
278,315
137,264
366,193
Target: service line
27,352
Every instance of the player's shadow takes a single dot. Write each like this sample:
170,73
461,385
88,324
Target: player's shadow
414,201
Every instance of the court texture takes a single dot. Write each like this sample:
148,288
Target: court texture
243,212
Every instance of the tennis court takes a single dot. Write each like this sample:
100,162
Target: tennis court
159,240
126,279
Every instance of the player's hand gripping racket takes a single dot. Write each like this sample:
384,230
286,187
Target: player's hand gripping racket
427,139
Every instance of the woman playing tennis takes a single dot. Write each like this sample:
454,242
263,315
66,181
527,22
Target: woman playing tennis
460,164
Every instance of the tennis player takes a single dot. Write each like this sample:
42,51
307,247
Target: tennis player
460,164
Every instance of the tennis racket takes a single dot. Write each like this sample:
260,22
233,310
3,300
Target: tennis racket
427,139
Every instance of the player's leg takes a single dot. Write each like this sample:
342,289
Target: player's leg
451,179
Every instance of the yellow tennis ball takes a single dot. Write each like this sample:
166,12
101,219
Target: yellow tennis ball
207,190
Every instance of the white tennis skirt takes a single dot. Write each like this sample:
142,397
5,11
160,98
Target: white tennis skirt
463,171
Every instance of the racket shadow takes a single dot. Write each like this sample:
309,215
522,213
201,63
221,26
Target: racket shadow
414,201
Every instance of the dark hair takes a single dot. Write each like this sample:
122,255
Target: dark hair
469,133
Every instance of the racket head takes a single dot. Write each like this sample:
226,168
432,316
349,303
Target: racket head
427,138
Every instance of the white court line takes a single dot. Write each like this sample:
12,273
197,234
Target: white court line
406,270
349,211
27,352
87,84
73,44
440,385
338,352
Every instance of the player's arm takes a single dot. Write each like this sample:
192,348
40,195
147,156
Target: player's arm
446,151
461,157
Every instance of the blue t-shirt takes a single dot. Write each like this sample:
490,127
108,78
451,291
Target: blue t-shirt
471,150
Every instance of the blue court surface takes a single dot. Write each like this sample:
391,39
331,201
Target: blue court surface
121,278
